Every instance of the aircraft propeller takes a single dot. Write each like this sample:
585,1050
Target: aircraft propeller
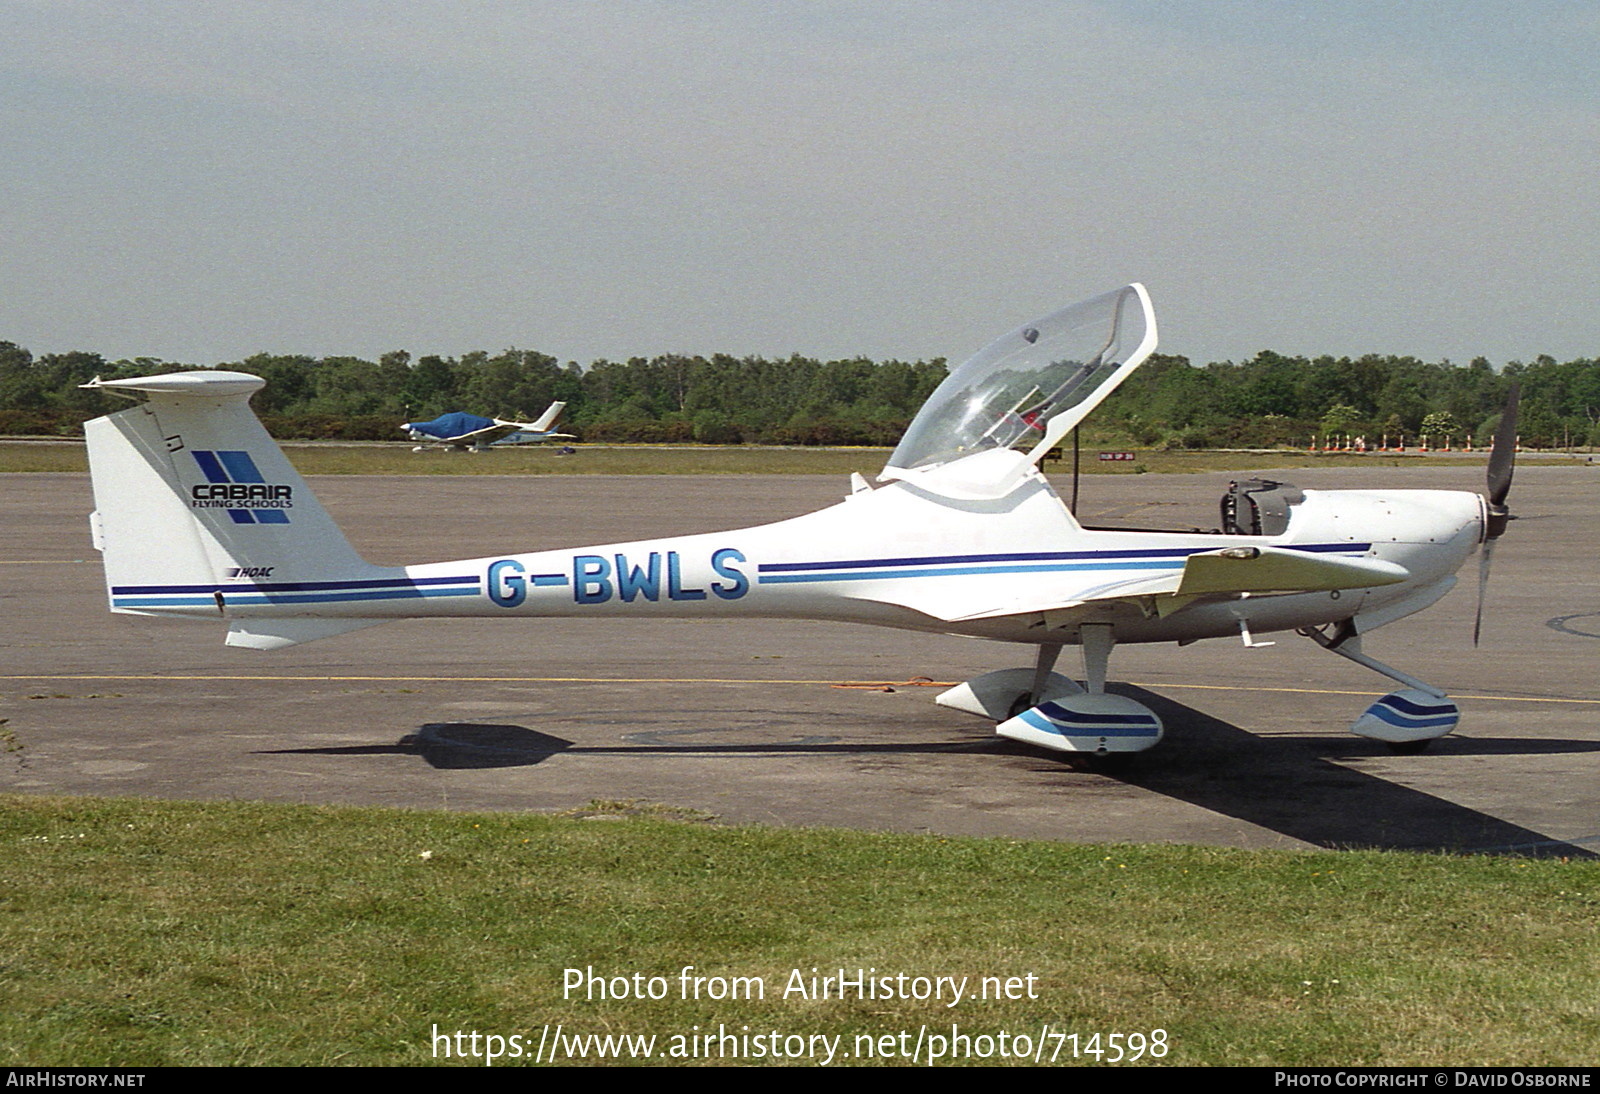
1502,458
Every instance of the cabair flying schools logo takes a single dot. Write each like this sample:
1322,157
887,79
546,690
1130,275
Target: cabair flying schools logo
233,483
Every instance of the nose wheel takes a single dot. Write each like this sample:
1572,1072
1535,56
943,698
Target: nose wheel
1407,720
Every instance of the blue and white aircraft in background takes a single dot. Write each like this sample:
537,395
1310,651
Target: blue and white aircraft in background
199,514
472,432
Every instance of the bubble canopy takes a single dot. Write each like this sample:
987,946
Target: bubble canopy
1027,390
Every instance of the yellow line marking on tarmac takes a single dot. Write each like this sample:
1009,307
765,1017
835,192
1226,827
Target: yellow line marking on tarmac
726,680
1334,691
447,679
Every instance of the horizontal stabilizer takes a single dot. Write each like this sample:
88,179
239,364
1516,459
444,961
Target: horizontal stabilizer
203,383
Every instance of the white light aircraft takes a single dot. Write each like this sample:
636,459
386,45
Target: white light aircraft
200,515
462,432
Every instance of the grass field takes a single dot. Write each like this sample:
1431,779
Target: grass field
142,933
397,459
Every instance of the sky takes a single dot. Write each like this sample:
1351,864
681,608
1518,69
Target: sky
202,182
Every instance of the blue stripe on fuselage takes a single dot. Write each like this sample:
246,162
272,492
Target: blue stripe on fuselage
254,599
778,573
299,586
948,571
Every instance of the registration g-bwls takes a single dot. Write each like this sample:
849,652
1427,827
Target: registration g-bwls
199,514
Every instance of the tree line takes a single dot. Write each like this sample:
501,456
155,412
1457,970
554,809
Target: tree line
1273,399
1268,400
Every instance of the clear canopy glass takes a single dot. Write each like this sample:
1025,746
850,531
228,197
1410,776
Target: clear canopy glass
1009,394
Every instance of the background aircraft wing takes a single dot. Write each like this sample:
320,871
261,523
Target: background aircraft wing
521,434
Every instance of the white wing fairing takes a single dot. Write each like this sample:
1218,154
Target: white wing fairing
199,514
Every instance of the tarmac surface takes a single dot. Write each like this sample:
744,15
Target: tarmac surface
744,720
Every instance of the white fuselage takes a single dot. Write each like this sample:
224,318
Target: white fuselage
903,556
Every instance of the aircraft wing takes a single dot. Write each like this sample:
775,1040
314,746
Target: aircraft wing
1282,570
524,434
1213,574
477,436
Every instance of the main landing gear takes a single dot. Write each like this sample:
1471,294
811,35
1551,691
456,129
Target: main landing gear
1044,708
1407,720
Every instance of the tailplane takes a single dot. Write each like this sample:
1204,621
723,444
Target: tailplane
198,513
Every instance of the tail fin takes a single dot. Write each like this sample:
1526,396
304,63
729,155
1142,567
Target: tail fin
547,420
198,513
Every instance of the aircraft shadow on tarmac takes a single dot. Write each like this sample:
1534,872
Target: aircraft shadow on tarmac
458,746
470,745
1301,787
1304,787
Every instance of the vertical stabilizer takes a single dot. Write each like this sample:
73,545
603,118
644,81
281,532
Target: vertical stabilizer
195,503
547,420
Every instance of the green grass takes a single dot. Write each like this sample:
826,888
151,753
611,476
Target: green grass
136,933
398,459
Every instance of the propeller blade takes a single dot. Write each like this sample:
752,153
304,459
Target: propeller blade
1502,465
1484,559
1503,454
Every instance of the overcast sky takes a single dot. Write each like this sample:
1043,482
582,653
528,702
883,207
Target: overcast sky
200,182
